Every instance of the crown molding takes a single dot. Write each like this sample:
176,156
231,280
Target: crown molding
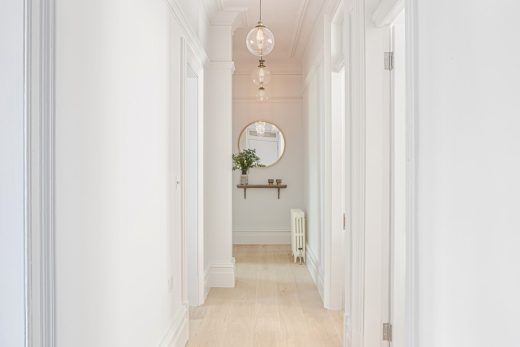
234,17
276,69
328,9
191,38
247,72
298,31
301,47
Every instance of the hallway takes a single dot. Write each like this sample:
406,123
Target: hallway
161,159
274,303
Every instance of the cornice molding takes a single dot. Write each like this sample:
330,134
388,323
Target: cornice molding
234,17
298,31
301,48
328,9
278,72
276,69
192,39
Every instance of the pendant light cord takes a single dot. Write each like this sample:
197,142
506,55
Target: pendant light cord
260,10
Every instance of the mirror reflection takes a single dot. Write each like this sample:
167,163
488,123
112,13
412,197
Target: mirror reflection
264,137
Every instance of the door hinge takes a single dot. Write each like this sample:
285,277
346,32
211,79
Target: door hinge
389,61
344,221
387,332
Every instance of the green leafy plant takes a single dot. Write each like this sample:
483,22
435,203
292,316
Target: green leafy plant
245,160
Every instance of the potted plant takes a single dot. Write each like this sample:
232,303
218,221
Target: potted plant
245,160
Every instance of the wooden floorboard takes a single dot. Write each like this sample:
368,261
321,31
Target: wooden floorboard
274,304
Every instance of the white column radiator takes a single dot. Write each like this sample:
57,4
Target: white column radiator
298,234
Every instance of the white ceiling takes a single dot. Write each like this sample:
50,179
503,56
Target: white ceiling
291,21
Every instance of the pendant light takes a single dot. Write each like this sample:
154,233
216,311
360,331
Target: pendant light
261,75
260,40
261,94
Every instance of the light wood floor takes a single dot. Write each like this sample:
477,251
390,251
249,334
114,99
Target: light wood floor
274,304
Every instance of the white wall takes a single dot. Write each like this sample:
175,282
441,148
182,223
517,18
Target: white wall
313,101
262,218
467,173
118,238
324,177
12,325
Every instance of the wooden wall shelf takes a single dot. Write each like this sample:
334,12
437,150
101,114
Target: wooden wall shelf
261,186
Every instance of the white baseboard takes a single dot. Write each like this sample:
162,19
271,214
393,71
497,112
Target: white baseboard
220,276
178,333
313,265
261,237
206,284
347,330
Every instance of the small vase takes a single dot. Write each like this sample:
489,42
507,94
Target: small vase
243,180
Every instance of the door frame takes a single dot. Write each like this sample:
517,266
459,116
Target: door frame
194,64
333,157
39,161
355,206
355,15
411,292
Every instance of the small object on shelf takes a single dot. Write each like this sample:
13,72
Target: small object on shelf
278,181
248,186
270,181
243,179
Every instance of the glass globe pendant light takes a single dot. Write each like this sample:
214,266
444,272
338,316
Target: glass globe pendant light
261,94
262,75
260,40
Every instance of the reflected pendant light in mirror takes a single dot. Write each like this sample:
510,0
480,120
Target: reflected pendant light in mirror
260,40
260,128
266,139
261,75
261,94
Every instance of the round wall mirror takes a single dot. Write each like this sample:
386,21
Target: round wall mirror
264,137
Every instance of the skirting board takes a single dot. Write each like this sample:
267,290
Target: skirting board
261,237
206,284
313,265
178,333
347,329
220,276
